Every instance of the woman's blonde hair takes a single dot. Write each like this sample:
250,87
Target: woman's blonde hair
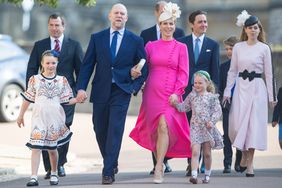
206,76
52,53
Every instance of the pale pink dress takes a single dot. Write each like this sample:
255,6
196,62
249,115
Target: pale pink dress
168,74
248,113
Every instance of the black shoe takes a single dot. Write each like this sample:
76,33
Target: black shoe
54,180
167,168
242,168
47,175
188,170
227,170
115,170
61,171
152,172
250,175
108,180
237,168
32,182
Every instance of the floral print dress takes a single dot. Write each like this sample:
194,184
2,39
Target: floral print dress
204,108
48,129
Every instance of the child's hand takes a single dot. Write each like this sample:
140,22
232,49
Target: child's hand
209,125
274,123
173,99
20,121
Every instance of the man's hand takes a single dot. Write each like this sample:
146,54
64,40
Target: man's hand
135,73
81,96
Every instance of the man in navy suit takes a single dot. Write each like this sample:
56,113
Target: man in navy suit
152,34
207,57
114,53
70,59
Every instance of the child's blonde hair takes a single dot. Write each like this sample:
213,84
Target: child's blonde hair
52,53
206,76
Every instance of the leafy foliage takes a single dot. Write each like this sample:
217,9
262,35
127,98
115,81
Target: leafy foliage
52,3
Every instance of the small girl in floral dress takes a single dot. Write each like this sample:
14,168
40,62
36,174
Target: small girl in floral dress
48,130
206,111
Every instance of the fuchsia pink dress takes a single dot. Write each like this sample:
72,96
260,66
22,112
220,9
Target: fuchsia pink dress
168,74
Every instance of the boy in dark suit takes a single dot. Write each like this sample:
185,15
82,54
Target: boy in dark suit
277,115
227,150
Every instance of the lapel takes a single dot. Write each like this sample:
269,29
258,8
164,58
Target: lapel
203,49
154,33
64,48
191,48
104,43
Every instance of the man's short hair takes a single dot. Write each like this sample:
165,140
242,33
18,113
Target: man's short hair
193,15
158,4
55,16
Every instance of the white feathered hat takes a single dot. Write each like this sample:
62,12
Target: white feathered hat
245,19
171,10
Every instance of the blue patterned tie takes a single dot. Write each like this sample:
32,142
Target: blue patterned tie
197,50
114,44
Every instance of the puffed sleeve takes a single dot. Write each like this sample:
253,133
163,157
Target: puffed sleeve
232,73
66,93
183,71
216,111
30,93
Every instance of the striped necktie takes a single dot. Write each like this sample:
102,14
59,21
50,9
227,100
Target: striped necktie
57,45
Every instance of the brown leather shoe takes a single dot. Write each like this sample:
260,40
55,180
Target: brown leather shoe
106,180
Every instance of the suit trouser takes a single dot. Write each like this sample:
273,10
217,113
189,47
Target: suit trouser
62,150
109,120
227,150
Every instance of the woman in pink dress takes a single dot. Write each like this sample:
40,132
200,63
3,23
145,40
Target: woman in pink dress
248,114
160,127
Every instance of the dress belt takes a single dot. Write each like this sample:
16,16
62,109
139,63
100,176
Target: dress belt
251,75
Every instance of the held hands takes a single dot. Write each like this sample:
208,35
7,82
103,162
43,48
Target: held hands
209,125
135,73
81,96
173,100
273,103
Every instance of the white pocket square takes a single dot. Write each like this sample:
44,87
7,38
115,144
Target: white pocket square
208,50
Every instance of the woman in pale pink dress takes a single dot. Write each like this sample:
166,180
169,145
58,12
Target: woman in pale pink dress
160,127
248,114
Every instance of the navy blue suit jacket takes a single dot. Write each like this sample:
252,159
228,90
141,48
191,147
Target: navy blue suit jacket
98,56
224,68
208,59
70,59
150,34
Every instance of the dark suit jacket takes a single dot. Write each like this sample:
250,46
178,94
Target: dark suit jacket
69,64
150,34
277,113
224,68
99,54
208,59
69,61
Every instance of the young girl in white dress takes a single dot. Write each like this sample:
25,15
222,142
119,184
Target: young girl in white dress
47,91
206,111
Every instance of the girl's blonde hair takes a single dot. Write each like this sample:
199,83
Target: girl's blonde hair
52,53
206,76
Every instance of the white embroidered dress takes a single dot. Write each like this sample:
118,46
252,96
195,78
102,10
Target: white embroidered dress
48,129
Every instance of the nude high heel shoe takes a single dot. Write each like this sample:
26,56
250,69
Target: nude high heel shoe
158,176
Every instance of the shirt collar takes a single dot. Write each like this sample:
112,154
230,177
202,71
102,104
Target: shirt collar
121,31
61,38
200,37
158,28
